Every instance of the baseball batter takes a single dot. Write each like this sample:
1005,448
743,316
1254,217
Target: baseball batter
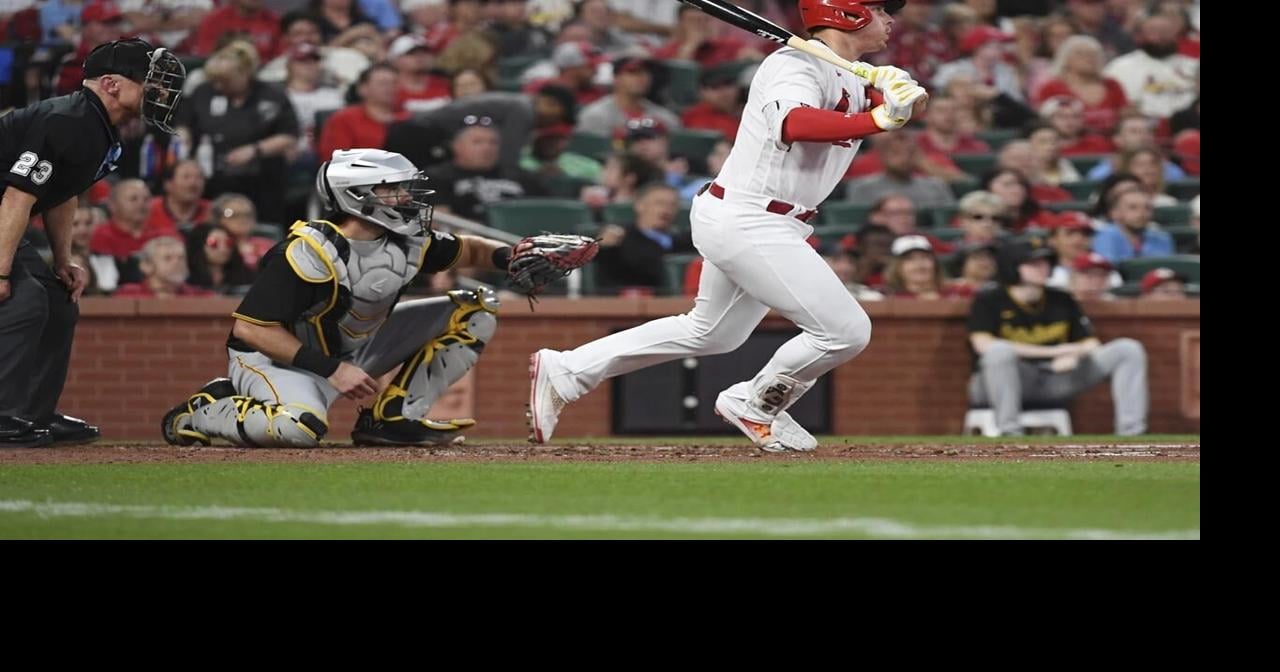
804,122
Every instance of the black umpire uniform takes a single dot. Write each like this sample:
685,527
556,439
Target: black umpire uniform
54,151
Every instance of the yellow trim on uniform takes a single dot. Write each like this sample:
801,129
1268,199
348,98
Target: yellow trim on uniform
265,379
462,245
319,251
359,334
333,297
362,318
254,320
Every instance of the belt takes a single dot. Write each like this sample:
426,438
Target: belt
775,206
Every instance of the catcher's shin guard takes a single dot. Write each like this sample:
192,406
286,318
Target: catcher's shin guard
443,360
247,421
176,426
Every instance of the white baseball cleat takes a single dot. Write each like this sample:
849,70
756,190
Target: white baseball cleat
544,403
782,435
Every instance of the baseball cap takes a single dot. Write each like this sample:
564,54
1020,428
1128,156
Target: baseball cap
405,44
631,64
102,11
130,58
575,54
1156,276
905,244
1072,220
980,36
1091,261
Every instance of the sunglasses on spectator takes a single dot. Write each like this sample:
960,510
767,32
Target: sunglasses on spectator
215,242
473,120
984,216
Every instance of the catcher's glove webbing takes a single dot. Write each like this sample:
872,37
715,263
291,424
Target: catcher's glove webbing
547,258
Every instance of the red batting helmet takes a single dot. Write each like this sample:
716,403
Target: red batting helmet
842,14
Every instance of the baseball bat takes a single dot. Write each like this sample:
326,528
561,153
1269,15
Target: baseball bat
754,23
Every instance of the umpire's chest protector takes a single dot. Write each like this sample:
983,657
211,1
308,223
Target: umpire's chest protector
366,278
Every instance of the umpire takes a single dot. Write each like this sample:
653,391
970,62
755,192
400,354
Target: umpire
50,153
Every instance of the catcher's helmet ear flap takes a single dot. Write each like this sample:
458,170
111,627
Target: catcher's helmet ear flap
323,190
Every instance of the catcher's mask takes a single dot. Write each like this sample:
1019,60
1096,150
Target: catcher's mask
159,72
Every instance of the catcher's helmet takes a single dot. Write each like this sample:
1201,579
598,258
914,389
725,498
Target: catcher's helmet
347,182
842,14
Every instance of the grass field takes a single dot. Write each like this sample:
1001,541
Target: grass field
1040,492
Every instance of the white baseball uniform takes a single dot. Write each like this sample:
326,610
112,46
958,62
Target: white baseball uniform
756,257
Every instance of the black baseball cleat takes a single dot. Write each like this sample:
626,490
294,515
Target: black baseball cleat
66,430
19,433
176,428
404,432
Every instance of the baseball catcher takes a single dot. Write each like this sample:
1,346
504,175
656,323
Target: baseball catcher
324,319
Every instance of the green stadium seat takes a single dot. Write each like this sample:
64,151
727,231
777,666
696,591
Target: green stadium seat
1184,237
682,83
840,213
833,235
674,267
998,137
1183,190
1082,190
962,187
976,165
1173,215
590,144
1186,265
526,217
694,144
619,213
1063,206
269,230
943,215
947,235
565,186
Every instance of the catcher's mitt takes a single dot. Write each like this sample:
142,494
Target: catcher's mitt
547,258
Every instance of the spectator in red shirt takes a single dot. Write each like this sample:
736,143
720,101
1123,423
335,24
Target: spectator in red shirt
102,22
258,25
181,206
942,133
125,233
719,107
164,272
693,40
1066,114
1078,64
577,62
365,123
1090,277
1014,189
419,87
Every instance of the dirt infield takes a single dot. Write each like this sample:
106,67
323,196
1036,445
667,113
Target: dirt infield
156,454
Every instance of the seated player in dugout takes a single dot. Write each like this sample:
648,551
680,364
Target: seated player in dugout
1033,344
322,320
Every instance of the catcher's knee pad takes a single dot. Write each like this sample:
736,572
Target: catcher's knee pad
444,359
260,423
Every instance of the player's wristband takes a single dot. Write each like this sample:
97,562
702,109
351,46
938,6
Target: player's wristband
311,359
502,258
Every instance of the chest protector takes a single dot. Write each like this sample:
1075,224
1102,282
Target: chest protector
365,279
